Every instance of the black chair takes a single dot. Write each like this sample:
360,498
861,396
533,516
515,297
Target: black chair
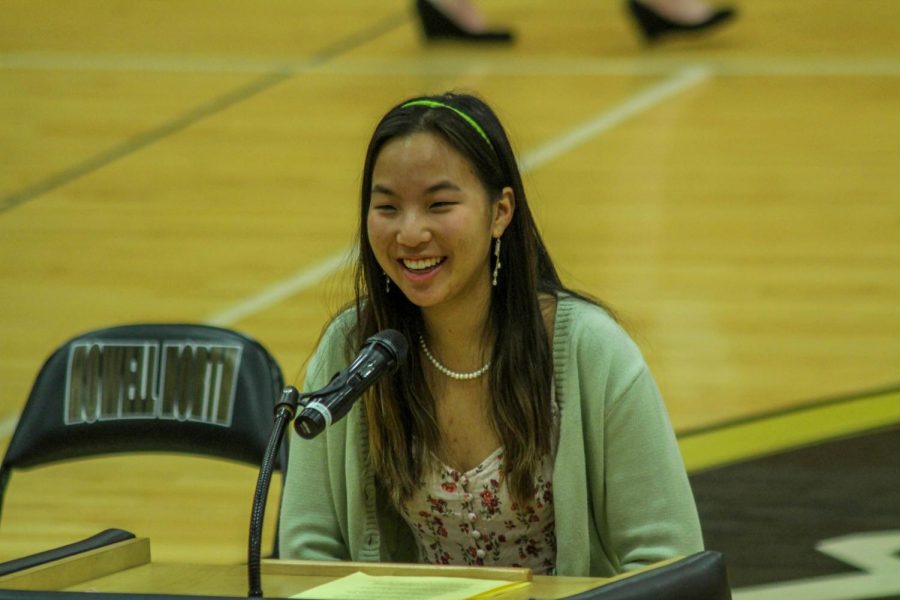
184,388
700,576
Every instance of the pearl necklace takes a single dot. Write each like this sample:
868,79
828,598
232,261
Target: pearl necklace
448,372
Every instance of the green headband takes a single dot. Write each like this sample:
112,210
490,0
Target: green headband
463,116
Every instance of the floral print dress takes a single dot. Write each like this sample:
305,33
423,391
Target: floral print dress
470,519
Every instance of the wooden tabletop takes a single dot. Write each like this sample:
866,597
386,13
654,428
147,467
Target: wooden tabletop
126,567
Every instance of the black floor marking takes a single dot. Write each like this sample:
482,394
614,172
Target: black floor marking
766,515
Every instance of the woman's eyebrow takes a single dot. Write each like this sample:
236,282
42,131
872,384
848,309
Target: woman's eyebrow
381,189
442,185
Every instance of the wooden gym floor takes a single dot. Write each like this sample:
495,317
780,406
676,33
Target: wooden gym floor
735,198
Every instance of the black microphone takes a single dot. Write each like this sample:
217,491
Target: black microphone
380,355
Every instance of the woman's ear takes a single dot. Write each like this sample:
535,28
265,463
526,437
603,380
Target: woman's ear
503,211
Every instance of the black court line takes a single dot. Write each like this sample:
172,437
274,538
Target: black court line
142,140
212,107
802,407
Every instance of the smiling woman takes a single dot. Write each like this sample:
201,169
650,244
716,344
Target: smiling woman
430,224
529,417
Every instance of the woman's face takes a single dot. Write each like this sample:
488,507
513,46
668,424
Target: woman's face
431,222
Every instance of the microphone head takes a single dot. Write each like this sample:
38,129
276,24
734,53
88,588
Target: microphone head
381,355
393,342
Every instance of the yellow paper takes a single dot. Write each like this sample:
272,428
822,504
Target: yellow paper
360,586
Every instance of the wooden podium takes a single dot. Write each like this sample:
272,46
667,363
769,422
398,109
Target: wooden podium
125,567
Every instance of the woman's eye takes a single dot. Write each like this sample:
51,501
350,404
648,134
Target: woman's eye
442,205
384,207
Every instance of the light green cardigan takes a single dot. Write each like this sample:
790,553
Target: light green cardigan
621,496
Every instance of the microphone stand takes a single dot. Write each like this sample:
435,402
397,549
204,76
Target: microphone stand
380,355
284,414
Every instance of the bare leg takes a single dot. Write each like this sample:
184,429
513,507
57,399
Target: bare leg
458,20
680,11
463,13
659,18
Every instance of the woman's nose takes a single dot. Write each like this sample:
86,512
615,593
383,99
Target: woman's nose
413,231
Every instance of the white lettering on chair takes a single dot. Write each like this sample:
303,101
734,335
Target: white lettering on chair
190,381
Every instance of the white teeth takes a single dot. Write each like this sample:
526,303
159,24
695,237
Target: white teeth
419,265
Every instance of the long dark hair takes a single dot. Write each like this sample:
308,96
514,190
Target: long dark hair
402,425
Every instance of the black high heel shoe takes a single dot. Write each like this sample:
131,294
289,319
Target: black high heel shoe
437,26
654,25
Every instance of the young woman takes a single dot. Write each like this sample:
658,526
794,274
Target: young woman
524,427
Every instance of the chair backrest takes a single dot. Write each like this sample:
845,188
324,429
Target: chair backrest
700,576
185,388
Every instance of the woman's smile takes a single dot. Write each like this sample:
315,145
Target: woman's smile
421,269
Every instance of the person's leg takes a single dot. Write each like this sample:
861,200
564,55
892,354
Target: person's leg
461,12
456,20
657,18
